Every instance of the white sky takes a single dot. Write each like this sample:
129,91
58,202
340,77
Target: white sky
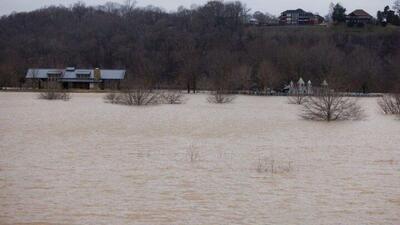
271,6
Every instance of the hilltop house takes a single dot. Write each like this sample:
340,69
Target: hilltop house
78,78
299,17
358,17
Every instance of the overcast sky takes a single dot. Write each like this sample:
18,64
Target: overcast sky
271,6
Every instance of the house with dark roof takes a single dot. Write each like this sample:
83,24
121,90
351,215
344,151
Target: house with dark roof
358,17
299,17
71,78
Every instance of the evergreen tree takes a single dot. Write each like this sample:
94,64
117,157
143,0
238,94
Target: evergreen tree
339,14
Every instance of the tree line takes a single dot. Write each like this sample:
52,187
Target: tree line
205,47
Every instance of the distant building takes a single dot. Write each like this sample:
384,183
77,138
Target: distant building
300,87
358,17
303,88
253,21
78,78
299,17
264,21
319,19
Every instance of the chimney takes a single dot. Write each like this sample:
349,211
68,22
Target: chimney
97,74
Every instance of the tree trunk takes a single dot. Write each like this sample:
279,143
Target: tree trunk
194,85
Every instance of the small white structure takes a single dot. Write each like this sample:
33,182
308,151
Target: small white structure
324,84
300,88
309,88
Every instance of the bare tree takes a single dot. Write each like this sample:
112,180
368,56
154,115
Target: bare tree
267,75
390,104
128,6
139,97
190,63
396,6
327,105
241,78
220,97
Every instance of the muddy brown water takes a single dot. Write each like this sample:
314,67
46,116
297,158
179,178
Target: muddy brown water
88,162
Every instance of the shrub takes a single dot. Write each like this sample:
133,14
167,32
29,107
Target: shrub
390,104
272,166
297,98
54,92
327,105
193,154
139,97
220,97
113,98
172,97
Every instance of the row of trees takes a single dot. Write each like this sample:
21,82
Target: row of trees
207,47
388,16
324,104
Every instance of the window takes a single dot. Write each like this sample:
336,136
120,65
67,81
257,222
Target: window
54,76
83,76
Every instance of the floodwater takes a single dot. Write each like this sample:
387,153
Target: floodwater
254,161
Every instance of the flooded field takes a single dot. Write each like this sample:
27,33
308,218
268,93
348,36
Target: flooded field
251,162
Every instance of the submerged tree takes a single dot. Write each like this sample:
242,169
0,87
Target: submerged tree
139,97
390,104
220,97
172,97
297,98
53,91
328,105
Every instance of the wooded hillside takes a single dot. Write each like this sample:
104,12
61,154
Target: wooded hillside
207,47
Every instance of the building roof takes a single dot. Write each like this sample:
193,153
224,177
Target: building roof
294,11
72,73
301,13
360,13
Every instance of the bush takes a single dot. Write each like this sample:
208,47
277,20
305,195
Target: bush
329,106
220,97
272,166
172,97
193,154
54,92
113,98
53,95
390,104
297,98
139,97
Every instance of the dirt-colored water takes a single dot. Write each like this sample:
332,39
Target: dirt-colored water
88,162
